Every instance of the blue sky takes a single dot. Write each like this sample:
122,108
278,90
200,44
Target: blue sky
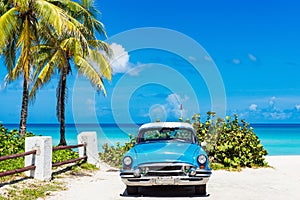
226,56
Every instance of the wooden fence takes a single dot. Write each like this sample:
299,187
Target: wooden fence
18,170
38,155
84,157
32,167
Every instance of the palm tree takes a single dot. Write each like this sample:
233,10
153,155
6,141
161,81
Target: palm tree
61,52
19,23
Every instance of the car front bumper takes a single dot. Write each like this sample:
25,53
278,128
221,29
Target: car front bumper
201,178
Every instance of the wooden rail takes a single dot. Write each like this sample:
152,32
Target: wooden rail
68,161
32,167
17,155
19,170
15,171
84,157
67,147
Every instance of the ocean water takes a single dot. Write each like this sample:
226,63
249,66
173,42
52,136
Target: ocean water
278,139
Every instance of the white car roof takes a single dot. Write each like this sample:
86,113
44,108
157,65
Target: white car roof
166,125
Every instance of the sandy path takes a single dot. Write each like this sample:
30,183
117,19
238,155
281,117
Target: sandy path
280,182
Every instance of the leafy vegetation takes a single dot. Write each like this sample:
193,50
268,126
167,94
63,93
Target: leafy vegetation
11,143
20,32
62,155
32,190
113,155
231,144
43,37
81,50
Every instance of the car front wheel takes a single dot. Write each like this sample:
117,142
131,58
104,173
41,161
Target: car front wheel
132,190
200,189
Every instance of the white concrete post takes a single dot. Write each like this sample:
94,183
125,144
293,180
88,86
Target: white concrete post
42,159
90,139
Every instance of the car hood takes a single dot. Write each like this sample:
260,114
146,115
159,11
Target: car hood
166,152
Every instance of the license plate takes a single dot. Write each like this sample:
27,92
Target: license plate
166,180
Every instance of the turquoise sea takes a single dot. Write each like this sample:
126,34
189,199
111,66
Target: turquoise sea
278,139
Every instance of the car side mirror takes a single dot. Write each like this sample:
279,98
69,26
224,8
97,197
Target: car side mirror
203,144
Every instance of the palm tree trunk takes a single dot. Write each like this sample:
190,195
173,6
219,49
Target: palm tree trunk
62,97
24,111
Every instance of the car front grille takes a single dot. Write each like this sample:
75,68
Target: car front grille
165,169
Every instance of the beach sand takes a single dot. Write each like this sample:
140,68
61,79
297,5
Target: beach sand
280,182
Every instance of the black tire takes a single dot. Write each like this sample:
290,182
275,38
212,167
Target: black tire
132,190
200,189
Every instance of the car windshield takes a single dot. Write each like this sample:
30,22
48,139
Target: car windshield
167,134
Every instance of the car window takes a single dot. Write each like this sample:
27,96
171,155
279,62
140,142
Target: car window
169,134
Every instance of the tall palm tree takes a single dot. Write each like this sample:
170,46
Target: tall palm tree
62,52
19,23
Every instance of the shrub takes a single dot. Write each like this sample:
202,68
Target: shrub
62,155
11,143
113,155
230,142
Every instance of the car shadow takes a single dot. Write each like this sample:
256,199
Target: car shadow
165,191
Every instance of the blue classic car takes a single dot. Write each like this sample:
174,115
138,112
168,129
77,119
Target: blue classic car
166,153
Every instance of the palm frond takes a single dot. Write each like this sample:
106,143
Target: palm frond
25,40
8,27
44,75
85,12
51,14
64,24
4,6
100,45
10,54
103,64
86,69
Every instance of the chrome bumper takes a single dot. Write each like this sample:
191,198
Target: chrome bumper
129,179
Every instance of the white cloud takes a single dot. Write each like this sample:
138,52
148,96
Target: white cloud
192,58
253,107
252,57
279,115
170,109
120,59
135,71
174,101
207,58
297,107
236,61
157,111
271,101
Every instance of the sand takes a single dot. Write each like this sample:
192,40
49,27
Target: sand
280,182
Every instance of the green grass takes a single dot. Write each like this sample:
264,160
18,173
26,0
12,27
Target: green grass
34,190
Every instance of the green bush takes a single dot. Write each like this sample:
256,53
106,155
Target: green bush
113,155
11,143
63,155
230,143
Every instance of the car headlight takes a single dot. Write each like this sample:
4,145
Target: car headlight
127,160
202,159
